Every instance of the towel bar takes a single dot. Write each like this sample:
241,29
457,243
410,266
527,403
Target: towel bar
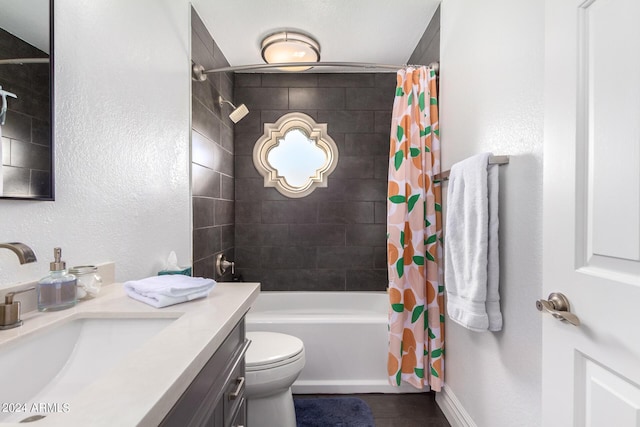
493,160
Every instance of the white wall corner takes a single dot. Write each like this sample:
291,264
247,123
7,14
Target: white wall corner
453,409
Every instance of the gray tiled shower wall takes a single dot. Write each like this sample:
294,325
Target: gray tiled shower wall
26,140
334,239
212,172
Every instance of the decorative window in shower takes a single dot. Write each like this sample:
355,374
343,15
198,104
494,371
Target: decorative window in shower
295,155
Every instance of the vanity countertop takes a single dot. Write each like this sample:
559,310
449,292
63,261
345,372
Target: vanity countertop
142,388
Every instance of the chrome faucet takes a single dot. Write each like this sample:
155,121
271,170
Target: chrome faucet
25,253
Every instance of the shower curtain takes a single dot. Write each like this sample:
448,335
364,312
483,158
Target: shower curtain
414,233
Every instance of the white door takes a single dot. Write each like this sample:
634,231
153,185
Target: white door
591,372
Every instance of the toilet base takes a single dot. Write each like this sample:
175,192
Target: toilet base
275,410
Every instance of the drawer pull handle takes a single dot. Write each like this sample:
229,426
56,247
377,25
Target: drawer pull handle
236,394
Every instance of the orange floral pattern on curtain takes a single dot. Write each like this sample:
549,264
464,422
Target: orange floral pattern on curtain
414,233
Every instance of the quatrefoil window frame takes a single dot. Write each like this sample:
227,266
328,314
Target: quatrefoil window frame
274,132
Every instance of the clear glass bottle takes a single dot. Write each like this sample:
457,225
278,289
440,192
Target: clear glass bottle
57,291
89,281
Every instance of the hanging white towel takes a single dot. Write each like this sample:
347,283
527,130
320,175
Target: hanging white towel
162,291
471,245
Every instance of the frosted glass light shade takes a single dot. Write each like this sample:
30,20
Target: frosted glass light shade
288,46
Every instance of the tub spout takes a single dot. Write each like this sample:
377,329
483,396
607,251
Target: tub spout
25,253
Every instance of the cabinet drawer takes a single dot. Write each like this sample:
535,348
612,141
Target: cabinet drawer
234,393
240,417
198,404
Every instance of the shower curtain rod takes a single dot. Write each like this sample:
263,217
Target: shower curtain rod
200,72
19,61
493,160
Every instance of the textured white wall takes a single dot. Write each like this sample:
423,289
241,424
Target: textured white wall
122,142
491,100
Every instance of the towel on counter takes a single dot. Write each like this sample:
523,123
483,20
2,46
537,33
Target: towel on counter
162,291
471,245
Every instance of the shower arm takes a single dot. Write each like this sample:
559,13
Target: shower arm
221,101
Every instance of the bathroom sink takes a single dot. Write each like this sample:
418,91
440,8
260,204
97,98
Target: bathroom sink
53,364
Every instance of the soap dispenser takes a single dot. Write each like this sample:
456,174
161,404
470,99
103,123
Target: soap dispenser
57,291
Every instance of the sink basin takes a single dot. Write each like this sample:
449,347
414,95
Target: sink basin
51,365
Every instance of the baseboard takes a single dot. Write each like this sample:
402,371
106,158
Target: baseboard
315,386
453,409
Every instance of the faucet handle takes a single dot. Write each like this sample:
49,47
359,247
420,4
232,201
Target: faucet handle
10,311
222,264
8,298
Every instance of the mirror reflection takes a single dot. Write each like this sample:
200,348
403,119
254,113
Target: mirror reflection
26,125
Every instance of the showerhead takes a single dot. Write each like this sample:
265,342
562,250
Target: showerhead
238,113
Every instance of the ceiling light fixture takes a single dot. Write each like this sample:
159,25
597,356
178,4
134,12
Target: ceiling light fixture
290,46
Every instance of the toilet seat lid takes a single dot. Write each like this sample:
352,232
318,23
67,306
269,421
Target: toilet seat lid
268,348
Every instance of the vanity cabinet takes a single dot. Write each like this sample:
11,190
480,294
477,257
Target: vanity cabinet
215,398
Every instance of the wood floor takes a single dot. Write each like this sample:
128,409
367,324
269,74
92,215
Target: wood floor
400,410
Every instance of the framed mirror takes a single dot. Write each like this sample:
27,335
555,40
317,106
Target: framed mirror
26,94
295,155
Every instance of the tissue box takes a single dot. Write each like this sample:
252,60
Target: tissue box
186,271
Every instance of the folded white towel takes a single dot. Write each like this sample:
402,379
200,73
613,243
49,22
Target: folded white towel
162,291
471,245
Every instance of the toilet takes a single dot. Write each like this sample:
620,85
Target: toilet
273,362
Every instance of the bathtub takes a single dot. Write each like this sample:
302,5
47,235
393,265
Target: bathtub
344,334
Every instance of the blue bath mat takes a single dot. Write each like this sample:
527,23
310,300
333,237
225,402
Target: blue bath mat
333,412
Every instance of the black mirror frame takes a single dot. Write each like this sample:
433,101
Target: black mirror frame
51,197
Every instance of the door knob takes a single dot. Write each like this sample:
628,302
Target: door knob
558,306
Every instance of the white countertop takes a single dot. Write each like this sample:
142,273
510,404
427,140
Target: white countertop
144,386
